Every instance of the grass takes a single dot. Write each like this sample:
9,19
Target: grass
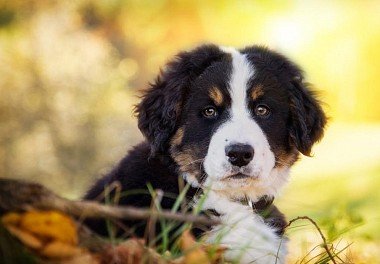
339,189
344,206
319,250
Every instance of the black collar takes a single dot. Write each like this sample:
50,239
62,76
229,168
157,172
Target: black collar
262,206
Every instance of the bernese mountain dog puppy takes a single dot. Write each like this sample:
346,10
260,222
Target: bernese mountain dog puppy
230,123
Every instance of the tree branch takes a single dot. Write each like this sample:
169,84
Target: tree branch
22,195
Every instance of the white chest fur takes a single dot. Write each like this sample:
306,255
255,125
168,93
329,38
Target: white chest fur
244,233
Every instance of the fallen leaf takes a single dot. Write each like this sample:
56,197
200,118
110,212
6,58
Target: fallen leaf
25,237
128,252
193,253
85,258
11,219
50,225
58,249
215,253
51,234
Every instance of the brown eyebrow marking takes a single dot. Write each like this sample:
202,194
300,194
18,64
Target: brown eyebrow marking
257,91
216,95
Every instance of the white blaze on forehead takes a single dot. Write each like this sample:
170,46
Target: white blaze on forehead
242,71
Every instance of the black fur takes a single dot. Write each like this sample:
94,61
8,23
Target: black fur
161,105
133,173
307,117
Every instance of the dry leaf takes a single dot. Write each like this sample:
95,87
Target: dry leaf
194,254
51,234
128,252
85,258
25,237
58,249
50,225
11,219
215,253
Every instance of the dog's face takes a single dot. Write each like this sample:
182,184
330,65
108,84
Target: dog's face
232,120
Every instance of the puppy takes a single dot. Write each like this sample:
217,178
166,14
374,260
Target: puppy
230,123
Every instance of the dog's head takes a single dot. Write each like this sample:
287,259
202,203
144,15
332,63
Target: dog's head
233,120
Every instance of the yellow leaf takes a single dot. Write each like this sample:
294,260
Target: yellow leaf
50,225
58,249
194,254
11,219
81,259
215,253
25,237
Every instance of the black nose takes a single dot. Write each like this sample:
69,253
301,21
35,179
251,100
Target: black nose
239,154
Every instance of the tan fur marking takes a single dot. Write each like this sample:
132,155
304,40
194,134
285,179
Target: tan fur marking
257,91
183,159
177,138
285,159
186,160
216,95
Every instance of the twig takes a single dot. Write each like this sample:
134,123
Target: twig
181,187
21,195
325,246
150,230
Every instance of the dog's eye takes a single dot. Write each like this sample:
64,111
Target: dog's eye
262,110
209,112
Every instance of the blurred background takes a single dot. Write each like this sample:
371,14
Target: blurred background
70,72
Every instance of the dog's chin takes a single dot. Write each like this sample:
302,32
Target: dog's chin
239,177
254,186
236,186
237,181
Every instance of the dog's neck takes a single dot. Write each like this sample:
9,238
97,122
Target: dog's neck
258,205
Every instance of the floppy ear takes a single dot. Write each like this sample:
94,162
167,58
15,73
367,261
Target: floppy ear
307,117
160,108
